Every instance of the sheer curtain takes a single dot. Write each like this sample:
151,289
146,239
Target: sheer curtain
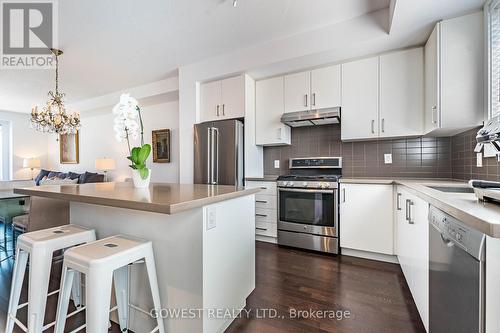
1,153
493,18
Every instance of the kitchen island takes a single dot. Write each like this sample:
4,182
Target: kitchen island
204,242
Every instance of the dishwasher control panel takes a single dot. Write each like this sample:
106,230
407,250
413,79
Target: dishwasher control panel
455,232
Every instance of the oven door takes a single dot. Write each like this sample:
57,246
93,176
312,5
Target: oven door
312,211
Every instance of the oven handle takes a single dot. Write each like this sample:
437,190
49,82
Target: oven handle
301,190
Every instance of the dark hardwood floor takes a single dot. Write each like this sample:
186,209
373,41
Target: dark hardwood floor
375,294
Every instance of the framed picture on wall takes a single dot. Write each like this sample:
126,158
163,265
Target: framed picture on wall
69,149
161,146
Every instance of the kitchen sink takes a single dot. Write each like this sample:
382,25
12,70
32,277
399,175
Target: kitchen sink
452,189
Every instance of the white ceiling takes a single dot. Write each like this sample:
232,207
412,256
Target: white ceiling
111,45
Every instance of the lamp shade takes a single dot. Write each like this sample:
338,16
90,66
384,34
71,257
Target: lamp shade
105,164
31,163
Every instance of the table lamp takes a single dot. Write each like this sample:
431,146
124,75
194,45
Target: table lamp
105,165
31,163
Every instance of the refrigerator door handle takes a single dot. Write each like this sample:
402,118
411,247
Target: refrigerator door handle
216,147
209,159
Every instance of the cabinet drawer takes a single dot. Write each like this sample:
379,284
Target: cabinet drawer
266,229
267,215
267,188
266,201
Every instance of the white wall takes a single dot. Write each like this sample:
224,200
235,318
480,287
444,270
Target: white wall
25,143
97,140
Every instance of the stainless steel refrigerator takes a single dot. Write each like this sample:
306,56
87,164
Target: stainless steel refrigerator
218,153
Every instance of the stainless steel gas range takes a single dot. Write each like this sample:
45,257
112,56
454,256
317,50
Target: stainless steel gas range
308,213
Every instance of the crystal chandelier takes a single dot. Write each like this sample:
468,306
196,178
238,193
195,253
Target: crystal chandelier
53,117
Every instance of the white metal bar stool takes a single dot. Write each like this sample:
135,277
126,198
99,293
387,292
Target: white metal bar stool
103,262
39,247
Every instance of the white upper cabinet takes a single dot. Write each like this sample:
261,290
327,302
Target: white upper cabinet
233,97
454,75
211,97
325,87
223,99
402,93
269,107
311,90
298,92
431,115
360,99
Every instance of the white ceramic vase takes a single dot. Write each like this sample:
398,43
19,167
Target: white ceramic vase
138,181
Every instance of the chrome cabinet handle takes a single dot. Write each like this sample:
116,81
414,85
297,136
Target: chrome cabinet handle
263,188
313,102
373,126
398,201
279,133
217,110
410,218
261,201
263,229
223,109
407,210
434,114
261,215
343,195
383,125
305,100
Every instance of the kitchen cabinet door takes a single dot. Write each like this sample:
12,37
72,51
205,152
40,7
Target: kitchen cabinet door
298,92
366,218
325,87
403,236
419,211
269,107
233,97
211,100
360,99
431,69
402,93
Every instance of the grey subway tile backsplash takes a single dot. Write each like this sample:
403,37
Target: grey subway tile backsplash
464,159
412,157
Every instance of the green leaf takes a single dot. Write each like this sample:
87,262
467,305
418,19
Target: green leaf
144,172
134,154
144,152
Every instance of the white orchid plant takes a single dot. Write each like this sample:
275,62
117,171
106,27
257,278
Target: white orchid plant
127,112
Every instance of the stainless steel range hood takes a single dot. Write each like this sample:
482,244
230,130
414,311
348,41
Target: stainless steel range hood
312,117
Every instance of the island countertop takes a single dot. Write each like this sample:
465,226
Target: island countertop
166,198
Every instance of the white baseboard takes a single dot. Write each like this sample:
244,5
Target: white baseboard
266,239
370,255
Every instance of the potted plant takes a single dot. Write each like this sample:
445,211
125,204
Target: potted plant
127,112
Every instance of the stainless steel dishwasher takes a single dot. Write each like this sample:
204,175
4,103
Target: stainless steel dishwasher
456,275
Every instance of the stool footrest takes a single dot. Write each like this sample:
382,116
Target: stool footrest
18,323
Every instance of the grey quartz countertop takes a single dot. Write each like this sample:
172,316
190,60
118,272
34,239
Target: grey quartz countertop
482,216
159,197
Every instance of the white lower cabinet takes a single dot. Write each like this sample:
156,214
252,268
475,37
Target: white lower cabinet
366,218
266,212
412,247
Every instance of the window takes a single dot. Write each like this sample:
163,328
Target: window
492,10
5,155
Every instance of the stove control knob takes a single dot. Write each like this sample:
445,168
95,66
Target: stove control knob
325,185
304,184
458,237
290,184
